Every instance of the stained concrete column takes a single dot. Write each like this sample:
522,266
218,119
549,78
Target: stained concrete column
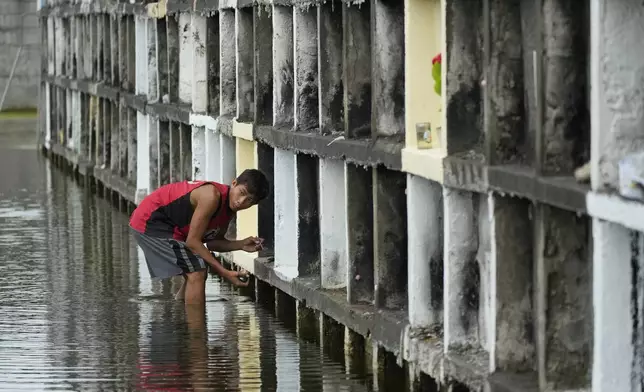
98,47
283,87
563,299
172,44
161,46
359,233
154,137
462,280
333,224
175,152
388,78
228,78
390,238
68,120
198,37
114,50
186,70
122,50
141,55
464,71
152,61
613,322
228,156
212,64
131,54
76,121
425,251
504,104
142,157
266,209
512,344
51,46
164,153
124,132
286,230
212,170
244,55
198,168
106,117
107,49
356,78
331,91
306,69
115,135
263,43
185,143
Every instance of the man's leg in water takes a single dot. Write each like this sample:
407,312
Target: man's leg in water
195,287
181,294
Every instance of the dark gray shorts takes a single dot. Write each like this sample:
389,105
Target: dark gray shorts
167,257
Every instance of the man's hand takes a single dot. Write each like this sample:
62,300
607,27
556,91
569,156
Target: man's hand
252,244
233,278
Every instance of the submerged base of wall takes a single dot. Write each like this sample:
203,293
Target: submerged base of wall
379,338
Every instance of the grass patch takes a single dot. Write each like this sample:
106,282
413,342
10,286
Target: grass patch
19,113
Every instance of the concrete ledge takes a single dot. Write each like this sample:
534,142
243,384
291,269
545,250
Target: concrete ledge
116,183
243,130
359,151
98,89
96,7
175,6
465,174
562,192
134,101
424,163
225,125
616,209
171,112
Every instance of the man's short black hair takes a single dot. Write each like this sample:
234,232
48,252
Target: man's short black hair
256,183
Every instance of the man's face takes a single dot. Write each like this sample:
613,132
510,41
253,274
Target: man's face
239,198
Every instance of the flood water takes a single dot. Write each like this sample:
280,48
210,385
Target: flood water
78,310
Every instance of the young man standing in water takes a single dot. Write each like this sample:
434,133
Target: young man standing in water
172,224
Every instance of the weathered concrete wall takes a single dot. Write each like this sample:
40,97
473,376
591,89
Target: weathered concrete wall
465,258
19,27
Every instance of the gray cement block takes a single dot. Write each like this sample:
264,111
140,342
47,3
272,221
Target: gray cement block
330,58
306,69
244,67
263,39
283,78
357,70
228,64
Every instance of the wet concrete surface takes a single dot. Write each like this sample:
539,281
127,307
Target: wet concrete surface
78,311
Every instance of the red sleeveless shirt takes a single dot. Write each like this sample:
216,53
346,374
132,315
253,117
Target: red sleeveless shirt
166,212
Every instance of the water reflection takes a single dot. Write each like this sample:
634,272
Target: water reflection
78,310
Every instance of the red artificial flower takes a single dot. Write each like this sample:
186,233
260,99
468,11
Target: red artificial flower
437,59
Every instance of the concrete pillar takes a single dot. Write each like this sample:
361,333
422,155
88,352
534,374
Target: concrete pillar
132,145
390,238
613,324
228,155
617,71
563,299
198,168
98,47
263,43
333,224
308,224
388,54
175,152
425,251
464,65
331,338
186,70
69,141
161,46
154,152
107,50
285,308
141,55
286,229
212,64
357,69
152,62
306,69
331,91
244,55
283,87
504,105
106,117
461,282
308,325
114,50
143,164
76,121
198,40
266,209
212,157
51,46
185,143
354,352
164,153
115,136
131,54
172,44
122,50
512,343
228,82
359,233
124,145
93,133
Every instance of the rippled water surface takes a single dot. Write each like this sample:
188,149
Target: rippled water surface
79,312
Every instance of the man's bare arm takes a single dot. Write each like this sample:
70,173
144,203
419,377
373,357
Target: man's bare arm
206,202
